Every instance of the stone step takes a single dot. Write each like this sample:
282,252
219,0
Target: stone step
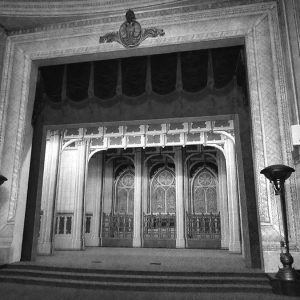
136,280
30,266
139,286
174,278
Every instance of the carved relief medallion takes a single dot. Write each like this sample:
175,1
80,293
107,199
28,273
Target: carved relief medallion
131,33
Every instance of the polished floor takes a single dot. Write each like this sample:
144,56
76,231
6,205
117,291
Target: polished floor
158,259
12,291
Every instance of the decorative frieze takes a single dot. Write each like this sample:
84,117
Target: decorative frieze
63,9
134,135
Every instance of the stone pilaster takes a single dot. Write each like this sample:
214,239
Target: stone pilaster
180,240
97,204
223,201
3,40
137,241
77,242
48,192
107,196
232,188
145,189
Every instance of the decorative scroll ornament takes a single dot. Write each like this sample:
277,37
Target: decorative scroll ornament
131,33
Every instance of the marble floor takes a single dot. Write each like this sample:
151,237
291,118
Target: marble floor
148,259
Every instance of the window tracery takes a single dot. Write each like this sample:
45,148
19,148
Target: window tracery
124,193
204,192
163,192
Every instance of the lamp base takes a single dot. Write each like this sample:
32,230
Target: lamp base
283,286
287,273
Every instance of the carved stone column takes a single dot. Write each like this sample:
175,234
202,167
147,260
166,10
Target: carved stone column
222,195
137,241
97,202
186,187
233,206
180,240
3,40
107,195
78,242
145,195
49,191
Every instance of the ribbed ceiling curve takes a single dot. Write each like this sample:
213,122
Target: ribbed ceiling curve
17,15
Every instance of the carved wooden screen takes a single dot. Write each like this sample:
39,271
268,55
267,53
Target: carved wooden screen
163,193
204,193
124,193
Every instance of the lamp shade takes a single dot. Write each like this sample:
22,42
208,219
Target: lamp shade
2,179
277,172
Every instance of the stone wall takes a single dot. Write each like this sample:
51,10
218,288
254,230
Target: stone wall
290,22
289,15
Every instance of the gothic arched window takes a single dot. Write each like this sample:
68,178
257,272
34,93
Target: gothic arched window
124,193
204,192
163,192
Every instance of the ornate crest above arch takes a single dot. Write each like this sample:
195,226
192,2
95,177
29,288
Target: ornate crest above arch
131,33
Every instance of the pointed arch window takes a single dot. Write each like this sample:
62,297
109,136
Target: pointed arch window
124,193
163,192
204,192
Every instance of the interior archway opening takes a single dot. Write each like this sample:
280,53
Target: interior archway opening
215,99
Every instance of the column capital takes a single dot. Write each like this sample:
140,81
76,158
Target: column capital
138,150
177,148
52,133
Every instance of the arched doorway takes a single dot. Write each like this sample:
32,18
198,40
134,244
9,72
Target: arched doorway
203,218
100,208
159,218
117,200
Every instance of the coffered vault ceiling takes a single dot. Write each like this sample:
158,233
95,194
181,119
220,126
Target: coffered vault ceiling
16,15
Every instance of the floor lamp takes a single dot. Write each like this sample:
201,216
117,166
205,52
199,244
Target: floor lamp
278,174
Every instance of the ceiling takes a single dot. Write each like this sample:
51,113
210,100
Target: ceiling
18,15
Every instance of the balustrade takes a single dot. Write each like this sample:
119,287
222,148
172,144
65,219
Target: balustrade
160,226
203,226
117,226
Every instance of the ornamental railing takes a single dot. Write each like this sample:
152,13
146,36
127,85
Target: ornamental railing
203,226
117,226
159,226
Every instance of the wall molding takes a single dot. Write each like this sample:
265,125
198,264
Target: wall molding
165,14
56,8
